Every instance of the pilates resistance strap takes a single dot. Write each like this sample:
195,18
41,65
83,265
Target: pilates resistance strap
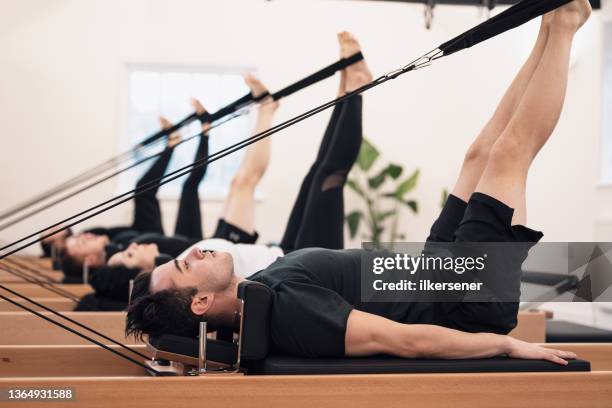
512,17
235,108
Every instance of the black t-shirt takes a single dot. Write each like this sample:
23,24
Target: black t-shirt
315,291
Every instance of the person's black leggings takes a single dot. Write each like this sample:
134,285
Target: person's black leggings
317,218
189,219
147,213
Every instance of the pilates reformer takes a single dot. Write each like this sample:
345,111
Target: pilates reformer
239,370
560,331
251,351
263,385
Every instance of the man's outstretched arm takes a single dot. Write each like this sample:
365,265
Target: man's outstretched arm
368,334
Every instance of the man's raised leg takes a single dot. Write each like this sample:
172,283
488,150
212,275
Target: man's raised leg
536,116
478,154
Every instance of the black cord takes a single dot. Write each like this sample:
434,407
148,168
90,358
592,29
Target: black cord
211,158
45,285
245,101
83,336
40,275
60,315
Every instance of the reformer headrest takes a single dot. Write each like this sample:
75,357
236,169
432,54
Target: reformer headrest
255,329
255,332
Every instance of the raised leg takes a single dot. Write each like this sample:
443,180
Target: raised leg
536,116
189,218
317,216
478,154
240,204
147,213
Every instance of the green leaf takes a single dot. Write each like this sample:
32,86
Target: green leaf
353,220
391,170
413,205
380,217
377,180
444,197
367,155
394,171
407,185
353,185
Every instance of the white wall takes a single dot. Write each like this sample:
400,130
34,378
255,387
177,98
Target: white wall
61,101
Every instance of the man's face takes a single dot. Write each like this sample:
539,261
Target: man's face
137,256
82,245
202,270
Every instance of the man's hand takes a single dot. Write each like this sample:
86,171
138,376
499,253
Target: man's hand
522,349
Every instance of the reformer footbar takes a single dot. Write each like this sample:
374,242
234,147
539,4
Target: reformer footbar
513,17
233,110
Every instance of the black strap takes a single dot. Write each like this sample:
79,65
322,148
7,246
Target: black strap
513,17
249,98
205,117
420,62
318,76
416,64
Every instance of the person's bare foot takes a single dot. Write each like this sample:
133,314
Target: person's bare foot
267,105
175,137
573,15
357,74
200,110
255,85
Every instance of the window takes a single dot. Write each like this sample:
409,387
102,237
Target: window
153,91
606,141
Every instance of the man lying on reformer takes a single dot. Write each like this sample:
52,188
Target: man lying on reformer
317,311
316,219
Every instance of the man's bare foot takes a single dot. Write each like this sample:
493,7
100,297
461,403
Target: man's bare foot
573,15
200,110
175,137
357,74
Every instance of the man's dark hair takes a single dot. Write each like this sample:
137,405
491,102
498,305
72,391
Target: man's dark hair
71,267
113,281
164,312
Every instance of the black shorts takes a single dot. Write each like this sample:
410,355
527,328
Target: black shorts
483,219
232,233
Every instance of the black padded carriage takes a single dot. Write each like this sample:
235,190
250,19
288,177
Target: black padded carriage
255,358
558,331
